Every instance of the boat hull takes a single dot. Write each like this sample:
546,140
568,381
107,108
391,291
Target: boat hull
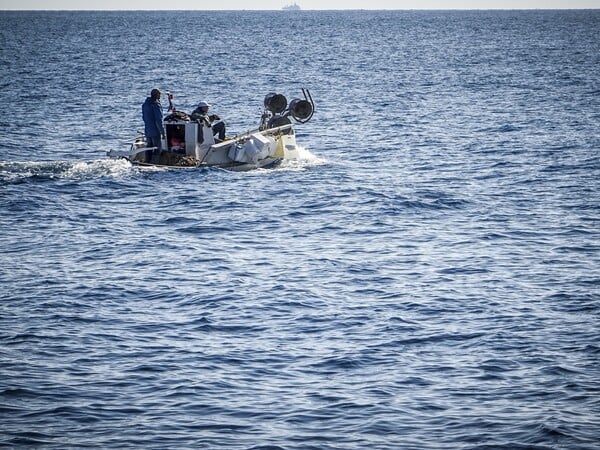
266,163
249,151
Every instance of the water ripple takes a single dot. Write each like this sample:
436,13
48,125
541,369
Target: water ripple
424,277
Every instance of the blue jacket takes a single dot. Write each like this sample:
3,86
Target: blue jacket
152,114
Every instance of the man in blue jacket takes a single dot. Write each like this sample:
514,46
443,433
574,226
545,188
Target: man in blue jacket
152,114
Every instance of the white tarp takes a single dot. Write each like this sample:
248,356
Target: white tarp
257,147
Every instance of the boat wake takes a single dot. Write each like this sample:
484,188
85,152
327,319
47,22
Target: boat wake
18,172
305,160
39,171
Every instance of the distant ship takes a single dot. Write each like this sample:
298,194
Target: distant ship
291,7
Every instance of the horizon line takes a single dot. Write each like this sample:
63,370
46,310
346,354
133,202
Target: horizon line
303,10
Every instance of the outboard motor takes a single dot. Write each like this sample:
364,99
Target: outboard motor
278,121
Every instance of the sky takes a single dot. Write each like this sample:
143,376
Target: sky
305,4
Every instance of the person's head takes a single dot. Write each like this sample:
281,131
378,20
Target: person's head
203,106
155,94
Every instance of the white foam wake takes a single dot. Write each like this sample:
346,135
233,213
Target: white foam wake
19,171
306,159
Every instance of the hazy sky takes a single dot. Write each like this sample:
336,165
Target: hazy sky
305,4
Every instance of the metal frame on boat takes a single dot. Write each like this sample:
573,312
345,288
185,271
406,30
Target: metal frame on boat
190,144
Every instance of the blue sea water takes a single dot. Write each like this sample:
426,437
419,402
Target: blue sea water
426,277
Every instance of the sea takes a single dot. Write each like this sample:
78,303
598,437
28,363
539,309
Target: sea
426,276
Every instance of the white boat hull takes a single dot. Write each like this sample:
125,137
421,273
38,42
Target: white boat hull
248,151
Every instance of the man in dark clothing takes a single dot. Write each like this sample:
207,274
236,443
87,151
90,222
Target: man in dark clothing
152,113
200,115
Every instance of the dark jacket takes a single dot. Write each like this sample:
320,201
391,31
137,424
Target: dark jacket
152,114
198,115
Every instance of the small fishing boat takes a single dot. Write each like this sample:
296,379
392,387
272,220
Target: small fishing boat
190,144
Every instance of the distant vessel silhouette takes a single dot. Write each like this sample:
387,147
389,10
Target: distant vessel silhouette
291,7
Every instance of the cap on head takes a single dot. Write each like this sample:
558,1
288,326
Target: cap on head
154,93
203,104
